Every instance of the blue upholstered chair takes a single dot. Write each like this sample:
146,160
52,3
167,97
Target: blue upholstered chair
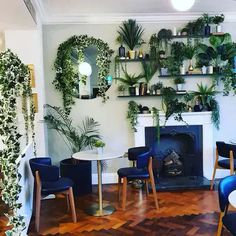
226,186
48,181
143,171
228,152
135,151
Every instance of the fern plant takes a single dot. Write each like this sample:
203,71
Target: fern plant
76,138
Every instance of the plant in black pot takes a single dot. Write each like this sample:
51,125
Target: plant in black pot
207,20
131,33
77,139
131,81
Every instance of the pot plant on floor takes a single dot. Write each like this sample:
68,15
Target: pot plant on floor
77,139
130,81
179,81
131,33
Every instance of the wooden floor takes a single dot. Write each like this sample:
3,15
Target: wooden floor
181,213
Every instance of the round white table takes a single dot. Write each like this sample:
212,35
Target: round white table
232,198
92,155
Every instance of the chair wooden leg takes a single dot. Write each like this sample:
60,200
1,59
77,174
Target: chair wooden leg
154,191
37,209
231,163
119,183
68,202
124,192
220,224
213,175
72,205
146,184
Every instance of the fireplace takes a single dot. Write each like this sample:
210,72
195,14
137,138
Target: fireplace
193,143
179,146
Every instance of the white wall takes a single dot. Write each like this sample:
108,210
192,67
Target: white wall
115,129
27,44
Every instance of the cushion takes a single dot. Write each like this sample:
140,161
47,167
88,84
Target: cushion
226,163
133,173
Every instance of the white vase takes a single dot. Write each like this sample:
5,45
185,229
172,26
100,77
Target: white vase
182,70
100,150
179,87
210,69
218,29
204,70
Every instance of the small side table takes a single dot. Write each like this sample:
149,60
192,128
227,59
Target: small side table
92,155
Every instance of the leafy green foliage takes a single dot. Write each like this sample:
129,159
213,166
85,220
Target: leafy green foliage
189,51
129,79
177,51
66,80
171,105
132,114
131,33
179,80
217,19
76,138
149,69
14,82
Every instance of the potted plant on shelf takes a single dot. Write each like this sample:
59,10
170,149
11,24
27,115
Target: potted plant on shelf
179,81
189,53
76,139
207,20
164,36
177,51
163,67
131,34
206,96
157,88
121,89
131,81
217,19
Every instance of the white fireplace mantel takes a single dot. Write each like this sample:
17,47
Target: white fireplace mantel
191,118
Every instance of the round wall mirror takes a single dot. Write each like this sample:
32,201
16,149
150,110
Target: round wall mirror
88,80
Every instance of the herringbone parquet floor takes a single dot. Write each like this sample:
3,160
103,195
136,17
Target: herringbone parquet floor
181,213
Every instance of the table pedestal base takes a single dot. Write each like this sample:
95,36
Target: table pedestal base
106,210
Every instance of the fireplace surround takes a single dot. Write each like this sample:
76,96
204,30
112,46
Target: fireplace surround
202,119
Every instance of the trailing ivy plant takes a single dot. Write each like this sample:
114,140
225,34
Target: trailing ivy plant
14,82
132,114
156,121
66,80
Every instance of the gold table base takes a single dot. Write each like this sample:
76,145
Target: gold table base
106,210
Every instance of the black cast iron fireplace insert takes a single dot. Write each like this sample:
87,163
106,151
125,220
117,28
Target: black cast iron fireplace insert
179,157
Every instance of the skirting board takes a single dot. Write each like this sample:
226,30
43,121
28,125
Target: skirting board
107,178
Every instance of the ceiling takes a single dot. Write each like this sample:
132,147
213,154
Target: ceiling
58,11
15,15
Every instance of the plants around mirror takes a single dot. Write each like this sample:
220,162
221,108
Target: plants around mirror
14,83
66,79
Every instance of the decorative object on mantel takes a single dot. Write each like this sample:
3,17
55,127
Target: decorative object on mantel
131,33
66,74
15,82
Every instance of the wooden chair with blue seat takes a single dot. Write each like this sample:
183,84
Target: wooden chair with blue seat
228,153
228,220
142,171
48,181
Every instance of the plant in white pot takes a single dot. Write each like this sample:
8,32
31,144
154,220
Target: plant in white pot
99,144
131,34
217,20
179,81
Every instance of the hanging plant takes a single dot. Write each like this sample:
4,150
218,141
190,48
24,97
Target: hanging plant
14,82
132,114
66,80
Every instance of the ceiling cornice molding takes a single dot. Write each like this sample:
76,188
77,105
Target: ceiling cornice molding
40,9
117,18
